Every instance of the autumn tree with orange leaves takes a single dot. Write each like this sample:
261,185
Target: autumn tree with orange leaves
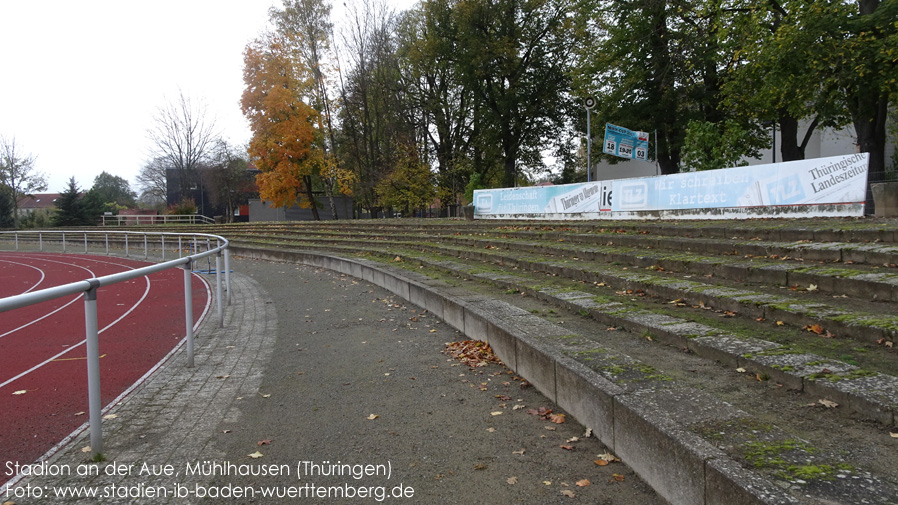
287,135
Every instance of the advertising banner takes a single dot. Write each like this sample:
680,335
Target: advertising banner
833,186
626,143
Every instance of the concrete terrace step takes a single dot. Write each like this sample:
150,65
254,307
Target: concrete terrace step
871,394
692,447
869,327
848,278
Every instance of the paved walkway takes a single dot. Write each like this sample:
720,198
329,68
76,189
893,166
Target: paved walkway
321,386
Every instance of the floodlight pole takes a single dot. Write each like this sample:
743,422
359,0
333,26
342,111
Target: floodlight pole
588,104
588,146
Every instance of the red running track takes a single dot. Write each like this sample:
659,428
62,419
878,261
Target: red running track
43,369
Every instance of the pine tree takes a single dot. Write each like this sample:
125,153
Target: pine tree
70,209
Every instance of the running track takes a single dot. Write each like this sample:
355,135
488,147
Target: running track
42,348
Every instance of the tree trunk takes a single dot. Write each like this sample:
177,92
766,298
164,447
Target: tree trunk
307,180
871,138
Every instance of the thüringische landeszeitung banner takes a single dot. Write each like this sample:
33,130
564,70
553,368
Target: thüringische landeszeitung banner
834,186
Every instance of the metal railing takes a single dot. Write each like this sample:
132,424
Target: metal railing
88,287
134,220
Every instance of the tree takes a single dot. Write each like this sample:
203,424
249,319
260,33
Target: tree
112,189
409,186
226,178
182,136
286,131
514,56
70,207
374,129
833,63
670,77
442,103
152,183
17,175
6,209
306,26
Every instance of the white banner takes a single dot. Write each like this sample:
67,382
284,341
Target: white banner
833,186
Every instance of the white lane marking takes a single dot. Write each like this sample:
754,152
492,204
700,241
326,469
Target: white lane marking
38,283
120,398
73,300
133,307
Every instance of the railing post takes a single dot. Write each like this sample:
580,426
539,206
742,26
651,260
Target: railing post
227,256
63,241
218,289
17,240
107,243
162,237
85,242
180,252
93,368
146,250
40,241
188,310
126,244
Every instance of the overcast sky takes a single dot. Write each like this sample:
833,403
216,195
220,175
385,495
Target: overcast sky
82,80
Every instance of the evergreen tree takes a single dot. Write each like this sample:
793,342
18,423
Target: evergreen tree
70,207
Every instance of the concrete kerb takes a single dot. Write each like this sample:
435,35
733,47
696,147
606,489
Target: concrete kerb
669,457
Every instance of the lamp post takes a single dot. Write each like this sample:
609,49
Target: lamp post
589,103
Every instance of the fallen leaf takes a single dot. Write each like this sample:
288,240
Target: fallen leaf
607,456
583,483
225,431
517,407
780,323
496,413
266,396
260,443
491,430
255,455
572,439
503,398
812,287
828,404
79,413
20,392
815,328
567,447
740,370
372,417
587,433
557,419
512,480
547,482
601,462
519,453
893,435
568,493
110,416
618,477
550,428
85,449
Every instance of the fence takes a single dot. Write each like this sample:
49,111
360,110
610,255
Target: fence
129,220
88,287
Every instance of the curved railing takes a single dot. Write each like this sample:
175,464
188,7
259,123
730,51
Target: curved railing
201,246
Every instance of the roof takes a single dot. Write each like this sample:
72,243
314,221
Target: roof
39,201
